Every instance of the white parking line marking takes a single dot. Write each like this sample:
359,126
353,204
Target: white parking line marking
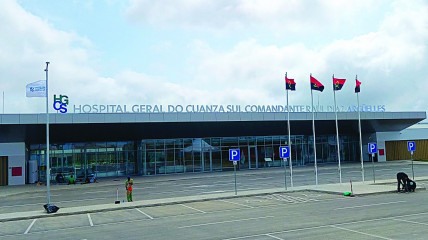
239,204
274,237
167,192
41,196
147,215
300,199
255,179
145,187
312,195
192,208
82,200
329,225
288,198
369,205
245,189
198,186
218,191
90,220
333,173
96,192
29,227
229,221
402,220
385,169
220,182
363,233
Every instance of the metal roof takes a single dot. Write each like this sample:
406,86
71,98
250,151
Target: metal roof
77,127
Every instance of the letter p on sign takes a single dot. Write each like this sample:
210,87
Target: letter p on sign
372,148
411,146
284,152
234,154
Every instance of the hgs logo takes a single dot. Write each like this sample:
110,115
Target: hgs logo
60,103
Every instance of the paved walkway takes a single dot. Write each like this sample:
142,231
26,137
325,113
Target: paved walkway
358,188
113,181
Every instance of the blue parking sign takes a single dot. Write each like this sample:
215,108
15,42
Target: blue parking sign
234,154
411,146
372,148
284,152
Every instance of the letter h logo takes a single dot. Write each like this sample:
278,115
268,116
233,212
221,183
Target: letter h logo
60,103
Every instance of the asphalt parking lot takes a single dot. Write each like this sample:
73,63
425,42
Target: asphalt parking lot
157,212
298,215
32,198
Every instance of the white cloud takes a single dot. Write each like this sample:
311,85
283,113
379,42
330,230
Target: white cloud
392,55
26,44
381,58
277,15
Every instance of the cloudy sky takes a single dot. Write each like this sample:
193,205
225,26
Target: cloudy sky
178,52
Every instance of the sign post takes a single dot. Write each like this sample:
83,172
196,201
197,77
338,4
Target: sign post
411,147
235,156
284,152
372,149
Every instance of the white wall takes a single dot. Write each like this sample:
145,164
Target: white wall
414,134
381,145
16,158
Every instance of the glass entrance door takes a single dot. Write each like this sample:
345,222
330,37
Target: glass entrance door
298,151
252,157
206,161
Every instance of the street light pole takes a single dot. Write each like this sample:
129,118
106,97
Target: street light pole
48,168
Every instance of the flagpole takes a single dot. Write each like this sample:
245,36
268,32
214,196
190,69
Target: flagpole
289,136
48,168
337,134
359,129
3,102
313,131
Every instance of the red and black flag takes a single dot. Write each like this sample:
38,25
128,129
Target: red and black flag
316,85
357,86
290,84
338,83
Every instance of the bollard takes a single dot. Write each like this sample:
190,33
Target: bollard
351,193
117,197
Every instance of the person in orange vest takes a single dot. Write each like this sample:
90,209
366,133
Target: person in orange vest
128,185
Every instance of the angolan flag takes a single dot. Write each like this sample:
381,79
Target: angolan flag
357,86
338,83
290,84
316,85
